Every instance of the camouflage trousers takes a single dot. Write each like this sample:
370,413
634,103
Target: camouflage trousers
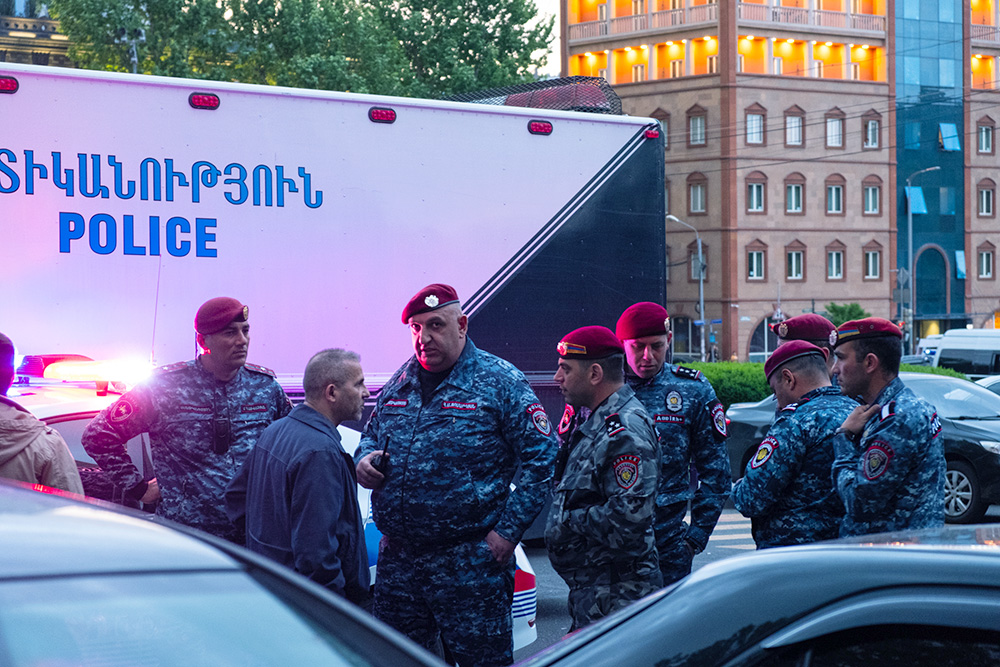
459,595
593,594
675,555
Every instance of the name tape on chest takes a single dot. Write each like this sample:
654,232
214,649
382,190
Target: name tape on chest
458,405
669,419
396,403
626,469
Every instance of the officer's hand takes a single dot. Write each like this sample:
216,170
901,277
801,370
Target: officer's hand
368,476
502,548
152,494
855,422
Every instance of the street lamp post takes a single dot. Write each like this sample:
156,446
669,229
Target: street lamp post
701,279
911,265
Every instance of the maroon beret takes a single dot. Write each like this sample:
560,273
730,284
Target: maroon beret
870,327
808,326
430,298
592,342
216,314
791,350
643,319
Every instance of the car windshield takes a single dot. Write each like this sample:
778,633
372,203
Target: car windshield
209,618
956,399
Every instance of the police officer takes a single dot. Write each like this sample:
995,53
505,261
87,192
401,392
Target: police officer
691,425
889,467
600,528
810,327
786,490
202,416
450,429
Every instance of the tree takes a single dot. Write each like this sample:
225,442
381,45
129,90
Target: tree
456,46
845,313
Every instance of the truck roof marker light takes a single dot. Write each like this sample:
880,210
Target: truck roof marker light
204,101
8,84
382,115
652,133
540,127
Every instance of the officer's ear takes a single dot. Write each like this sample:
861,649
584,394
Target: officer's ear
331,393
200,339
595,374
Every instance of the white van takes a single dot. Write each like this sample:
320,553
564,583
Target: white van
975,352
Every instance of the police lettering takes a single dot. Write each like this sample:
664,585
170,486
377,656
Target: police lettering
176,236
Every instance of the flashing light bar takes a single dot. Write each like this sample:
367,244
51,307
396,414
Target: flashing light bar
204,101
382,115
8,84
543,127
128,372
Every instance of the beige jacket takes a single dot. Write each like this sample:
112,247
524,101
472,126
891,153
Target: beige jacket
32,452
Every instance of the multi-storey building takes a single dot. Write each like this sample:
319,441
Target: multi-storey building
792,127
29,36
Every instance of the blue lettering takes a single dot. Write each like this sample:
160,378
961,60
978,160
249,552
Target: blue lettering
258,171
62,179
96,188
306,181
208,178
71,227
282,183
30,167
129,231
149,164
15,182
110,234
203,237
173,176
241,180
117,166
154,236
184,227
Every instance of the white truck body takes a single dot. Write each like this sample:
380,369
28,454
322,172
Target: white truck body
123,208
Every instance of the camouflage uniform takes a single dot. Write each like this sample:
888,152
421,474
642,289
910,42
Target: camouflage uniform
786,489
600,528
200,430
691,425
893,478
451,464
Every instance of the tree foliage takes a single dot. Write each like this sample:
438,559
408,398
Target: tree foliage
410,47
840,313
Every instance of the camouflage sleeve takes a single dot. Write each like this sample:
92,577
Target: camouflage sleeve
370,436
284,404
527,429
771,470
106,436
711,459
628,476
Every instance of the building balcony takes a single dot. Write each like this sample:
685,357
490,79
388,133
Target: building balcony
816,18
988,35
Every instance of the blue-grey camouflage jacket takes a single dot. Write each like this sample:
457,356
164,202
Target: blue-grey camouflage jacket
786,488
200,430
691,424
893,478
452,461
603,507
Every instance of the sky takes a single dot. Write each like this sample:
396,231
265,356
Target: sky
551,8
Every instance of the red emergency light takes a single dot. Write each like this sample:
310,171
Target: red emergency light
204,101
652,133
382,115
539,127
8,84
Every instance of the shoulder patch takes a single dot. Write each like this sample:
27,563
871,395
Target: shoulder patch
888,410
539,418
936,425
689,373
169,368
626,469
567,419
122,410
613,424
719,419
260,369
876,460
764,451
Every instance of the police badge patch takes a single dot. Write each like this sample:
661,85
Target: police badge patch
675,401
540,419
719,419
876,460
122,410
566,420
764,452
613,424
626,470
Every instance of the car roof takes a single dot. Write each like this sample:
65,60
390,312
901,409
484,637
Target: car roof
61,398
55,534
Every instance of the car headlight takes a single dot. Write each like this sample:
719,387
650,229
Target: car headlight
991,446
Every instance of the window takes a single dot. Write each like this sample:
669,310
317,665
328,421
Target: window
834,264
872,127
835,129
793,264
777,66
984,136
794,122
663,118
638,7
697,193
948,137
817,68
986,190
755,128
740,63
795,195
873,262
855,71
713,64
638,73
603,73
985,264
676,68
602,11
835,199
696,126
755,265
872,194
755,197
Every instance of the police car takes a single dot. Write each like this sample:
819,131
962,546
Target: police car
67,391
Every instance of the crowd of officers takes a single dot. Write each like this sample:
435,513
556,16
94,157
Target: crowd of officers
640,448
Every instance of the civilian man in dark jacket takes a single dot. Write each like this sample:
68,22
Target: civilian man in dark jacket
297,494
